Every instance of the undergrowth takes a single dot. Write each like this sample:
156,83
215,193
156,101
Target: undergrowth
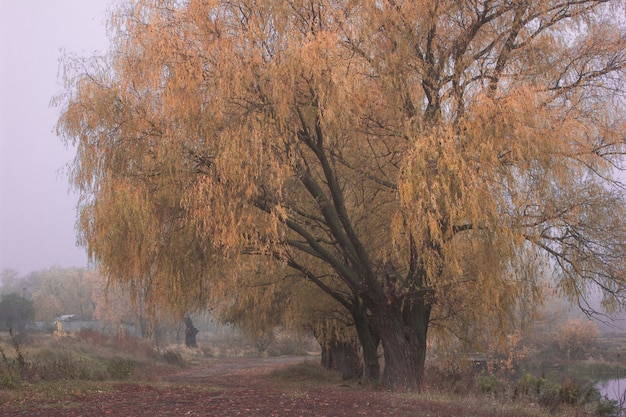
306,372
86,356
548,392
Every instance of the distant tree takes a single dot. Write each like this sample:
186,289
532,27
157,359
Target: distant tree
113,305
8,278
15,312
11,281
117,306
577,338
64,291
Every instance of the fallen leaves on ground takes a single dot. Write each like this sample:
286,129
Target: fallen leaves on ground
227,390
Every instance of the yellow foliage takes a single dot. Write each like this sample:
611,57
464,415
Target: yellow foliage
415,156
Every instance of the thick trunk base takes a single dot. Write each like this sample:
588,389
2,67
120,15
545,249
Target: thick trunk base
403,335
404,365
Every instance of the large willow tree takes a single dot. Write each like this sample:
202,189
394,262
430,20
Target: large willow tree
407,157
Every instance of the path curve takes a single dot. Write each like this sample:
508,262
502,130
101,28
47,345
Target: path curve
235,366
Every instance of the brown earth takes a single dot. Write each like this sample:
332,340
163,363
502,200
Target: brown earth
237,387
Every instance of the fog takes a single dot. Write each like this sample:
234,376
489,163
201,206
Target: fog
37,212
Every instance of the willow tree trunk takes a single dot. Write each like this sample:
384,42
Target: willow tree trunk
190,333
369,339
403,334
343,357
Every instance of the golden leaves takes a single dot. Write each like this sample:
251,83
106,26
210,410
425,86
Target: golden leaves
344,135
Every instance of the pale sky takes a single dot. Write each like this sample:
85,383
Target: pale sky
37,211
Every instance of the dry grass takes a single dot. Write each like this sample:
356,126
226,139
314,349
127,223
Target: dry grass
307,374
83,356
89,364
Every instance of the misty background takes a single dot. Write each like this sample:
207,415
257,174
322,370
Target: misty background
37,210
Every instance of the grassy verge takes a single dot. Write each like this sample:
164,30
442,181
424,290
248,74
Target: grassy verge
47,365
53,391
486,395
45,368
598,370
306,374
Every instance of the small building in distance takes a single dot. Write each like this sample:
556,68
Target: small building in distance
69,323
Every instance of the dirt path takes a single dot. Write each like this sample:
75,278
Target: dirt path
235,387
233,367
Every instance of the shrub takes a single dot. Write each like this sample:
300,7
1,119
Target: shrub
577,338
490,384
287,344
10,377
120,368
173,358
570,392
128,343
608,408
15,311
529,386
14,370
92,336
549,393
306,371
62,366
543,390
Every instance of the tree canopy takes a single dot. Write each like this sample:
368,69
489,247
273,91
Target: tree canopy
15,311
415,160
64,291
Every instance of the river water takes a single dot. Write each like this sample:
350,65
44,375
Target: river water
613,389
